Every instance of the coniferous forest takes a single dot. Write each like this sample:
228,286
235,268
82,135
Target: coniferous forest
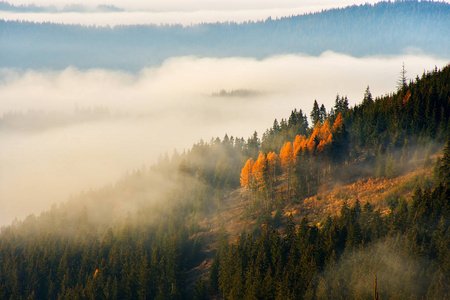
157,233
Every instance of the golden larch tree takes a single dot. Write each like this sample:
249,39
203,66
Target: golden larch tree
259,171
338,123
246,174
272,165
311,142
287,156
323,136
299,145
325,131
287,163
321,146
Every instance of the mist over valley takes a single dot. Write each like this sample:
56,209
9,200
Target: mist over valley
69,131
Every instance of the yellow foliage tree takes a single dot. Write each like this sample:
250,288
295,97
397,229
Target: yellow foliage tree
311,143
246,174
299,146
338,123
287,163
259,171
272,163
287,156
325,131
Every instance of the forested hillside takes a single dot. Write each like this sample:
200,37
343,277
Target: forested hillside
157,233
386,28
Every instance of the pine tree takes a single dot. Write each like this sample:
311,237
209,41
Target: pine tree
402,80
444,169
253,145
315,113
322,113
200,290
367,97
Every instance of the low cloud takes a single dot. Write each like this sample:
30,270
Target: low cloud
87,12
158,110
195,5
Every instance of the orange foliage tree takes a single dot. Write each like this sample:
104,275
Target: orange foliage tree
299,145
338,123
324,136
287,163
324,140
259,172
272,165
246,174
287,156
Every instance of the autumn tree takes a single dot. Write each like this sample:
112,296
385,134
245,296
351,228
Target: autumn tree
246,174
324,136
338,123
272,166
313,140
299,145
287,163
259,172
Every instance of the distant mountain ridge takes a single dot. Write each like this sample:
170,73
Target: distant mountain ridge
387,28
33,8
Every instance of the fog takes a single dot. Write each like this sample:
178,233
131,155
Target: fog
184,18
169,12
155,111
192,5
399,275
